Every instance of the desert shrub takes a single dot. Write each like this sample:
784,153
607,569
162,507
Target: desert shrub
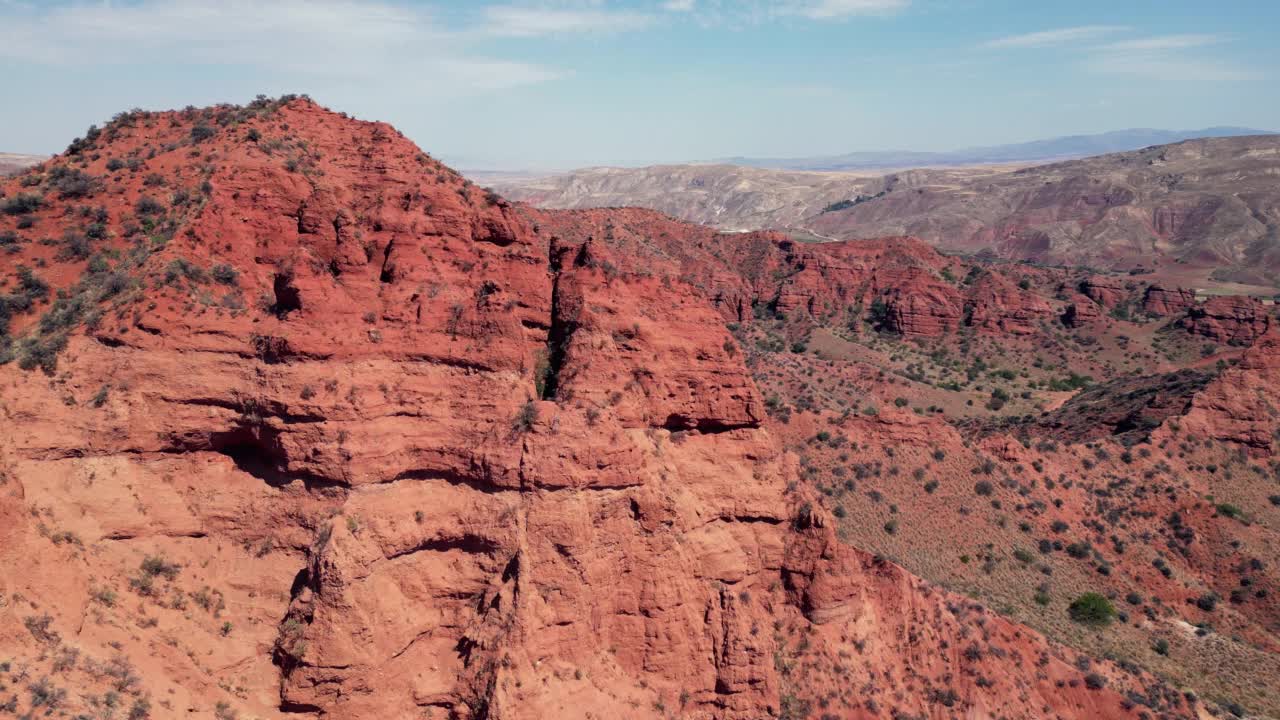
156,565
225,274
115,164
73,184
1072,382
202,132
179,269
21,204
79,145
75,246
1079,550
148,206
525,418
46,694
1092,609
983,488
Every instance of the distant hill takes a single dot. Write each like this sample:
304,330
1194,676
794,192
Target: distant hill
11,163
1208,203
1059,148
727,196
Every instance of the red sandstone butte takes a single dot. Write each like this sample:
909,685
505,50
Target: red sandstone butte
323,430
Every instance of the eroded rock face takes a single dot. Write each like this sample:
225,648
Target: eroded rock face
997,305
924,308
1166,302
1081,312
443,458
1239,406
1105,290
1232,319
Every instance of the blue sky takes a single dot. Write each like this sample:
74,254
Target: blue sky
544,84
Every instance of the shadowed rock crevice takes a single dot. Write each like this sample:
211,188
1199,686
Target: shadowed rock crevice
251,455
287,297
470,544
564,313
387,273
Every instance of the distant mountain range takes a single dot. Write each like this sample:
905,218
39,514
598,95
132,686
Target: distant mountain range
1059,148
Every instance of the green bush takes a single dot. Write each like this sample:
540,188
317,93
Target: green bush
878,315
1229,510
1092,609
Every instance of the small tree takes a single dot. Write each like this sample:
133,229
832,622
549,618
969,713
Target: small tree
878,315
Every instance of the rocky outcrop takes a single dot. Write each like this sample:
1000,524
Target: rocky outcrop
1107,291
924,308
994,304
1240,405
1167,302
341,432
1081,311
1231,319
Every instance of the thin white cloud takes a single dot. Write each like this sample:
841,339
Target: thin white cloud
1164,42
317,41
738,14
558,19
1157,57
679,5
839,9
1169,68
1165,58
1058,36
